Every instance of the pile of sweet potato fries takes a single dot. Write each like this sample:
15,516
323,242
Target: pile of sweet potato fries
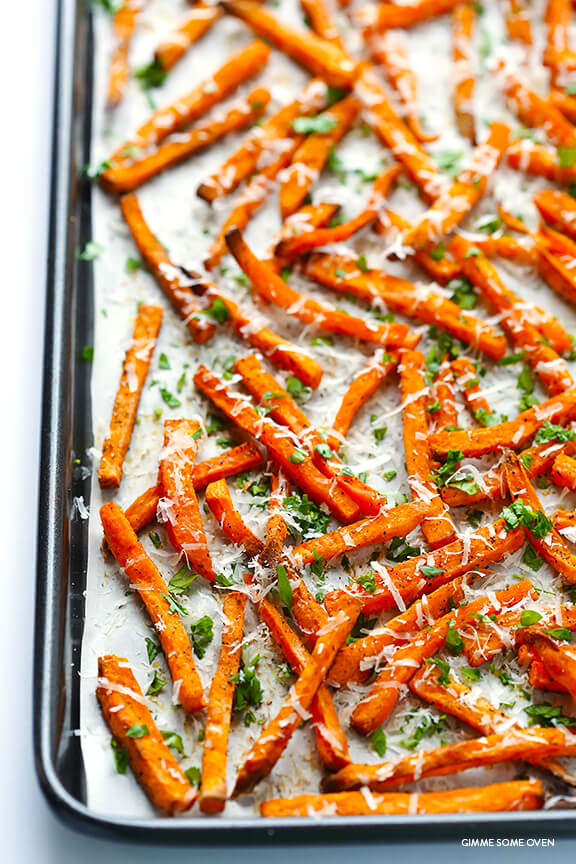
424,599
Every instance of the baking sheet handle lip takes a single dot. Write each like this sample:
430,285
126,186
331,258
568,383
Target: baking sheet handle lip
51,593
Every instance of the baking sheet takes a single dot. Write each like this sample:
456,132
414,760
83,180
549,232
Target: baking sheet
115,621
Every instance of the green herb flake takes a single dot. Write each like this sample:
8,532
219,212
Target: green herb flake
284,586
91,251
202,633
320,123
121,756
378,741
174,741
156,685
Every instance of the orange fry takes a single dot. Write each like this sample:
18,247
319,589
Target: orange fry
213,792
532,158
245,111
522,251
467,378
442,267
559,660
283,448
518,20
312,155
239,67
514,795
442,404
388,52
220,503
176,476
564,472
555,263
142,511
463,23
394,134
557,54
401,585
270,286
124,24
276,528
551,547
557,209
134,371
354,663
146,580
342,274
261,147
307,219
437,527
388,16
364,385
394,522
513,433
320,19
196,23
322,58
511,746
331,740
324,236
171,279
450,208
124,708
273,740
376,705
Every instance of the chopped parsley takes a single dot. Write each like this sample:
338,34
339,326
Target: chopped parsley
169,398
138,730
121,756
463,293
152,649
518,513
284,586
182,580
426,727
545,714
156,685
297,389
453,640
218,311
306,514
552,432
91,251
320,123
529,617
248,692
174,741
163,362
444,667
378,741
202,634
400,550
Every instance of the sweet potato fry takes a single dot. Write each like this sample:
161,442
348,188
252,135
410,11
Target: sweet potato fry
147,581
282,408
467,377
389,53
450,208
322,58
520,250
555,261
242,113
250,200
557,55
564,472
267,284
134,371
261,147
442,267
173,282
375,707
307,219
124,707
557,209
238,68
388,16
513,434
312,155
442,404
514,795
213,791
355,662
548,544
276,528
176,476
299,470
320,20
124,23
511,746
524,322
536,459
463,25
532,158
362,386
331,740
342,274
271,743
437,526
395,522
282,353
195,25
401,585
564,519
559,660
234,461
534,111
220,503
394,134
325,236
518,20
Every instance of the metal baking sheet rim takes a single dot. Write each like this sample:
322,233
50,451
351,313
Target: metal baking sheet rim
56,684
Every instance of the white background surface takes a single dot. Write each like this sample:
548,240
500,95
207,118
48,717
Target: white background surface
29,832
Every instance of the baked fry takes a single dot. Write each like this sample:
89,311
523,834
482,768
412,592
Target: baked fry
146,580
154,766
125,19
134,371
